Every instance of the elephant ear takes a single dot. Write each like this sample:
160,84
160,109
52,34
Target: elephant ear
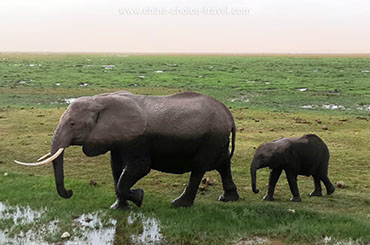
120,122
281,155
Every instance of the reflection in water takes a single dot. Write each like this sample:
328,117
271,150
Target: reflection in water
151,230
91,228
20,216
24,216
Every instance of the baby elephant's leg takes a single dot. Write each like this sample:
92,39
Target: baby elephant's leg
274,177
292,180
317,191
330,188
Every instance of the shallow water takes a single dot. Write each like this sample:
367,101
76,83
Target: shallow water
20,216
151,230
91,228
333,107
23,216
274,241
69,100
108,67
337,107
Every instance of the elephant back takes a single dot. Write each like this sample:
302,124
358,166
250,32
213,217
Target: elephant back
187,114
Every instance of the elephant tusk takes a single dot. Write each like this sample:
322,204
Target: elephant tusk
44,161
44,157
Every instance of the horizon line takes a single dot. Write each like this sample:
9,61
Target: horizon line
361,54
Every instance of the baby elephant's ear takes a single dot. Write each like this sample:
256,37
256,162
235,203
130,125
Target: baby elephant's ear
281,156
120,121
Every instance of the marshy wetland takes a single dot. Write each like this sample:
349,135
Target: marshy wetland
269,97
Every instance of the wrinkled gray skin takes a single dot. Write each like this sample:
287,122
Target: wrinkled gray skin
185,132
307,155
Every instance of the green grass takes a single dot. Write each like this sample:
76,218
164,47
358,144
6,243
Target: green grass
261,82
29,113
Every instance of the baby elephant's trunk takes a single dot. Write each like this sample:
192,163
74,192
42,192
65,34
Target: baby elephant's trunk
253,176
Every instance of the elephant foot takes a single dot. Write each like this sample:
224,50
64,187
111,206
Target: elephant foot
137,197
316,194
182,202
120,205
330,190
268,198
230,196
296,199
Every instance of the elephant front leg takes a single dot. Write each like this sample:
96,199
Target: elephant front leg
118,163
292,180
187,197
134,171
274,177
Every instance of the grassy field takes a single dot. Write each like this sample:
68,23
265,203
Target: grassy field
270,97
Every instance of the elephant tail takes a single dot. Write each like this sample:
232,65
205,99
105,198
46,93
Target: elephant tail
233,135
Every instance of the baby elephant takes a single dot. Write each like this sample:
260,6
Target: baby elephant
307,155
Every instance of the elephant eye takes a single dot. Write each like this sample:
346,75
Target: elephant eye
72,123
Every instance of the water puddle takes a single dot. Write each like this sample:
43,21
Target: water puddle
364,108
24,225
25,217
303,89
151,230
69,100
93,229
19,216
108,67
274,241
332,241
333,107
240,99
337,107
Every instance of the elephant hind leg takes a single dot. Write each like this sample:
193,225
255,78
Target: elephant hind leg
230,190
330,188
317,191
187,197
134,171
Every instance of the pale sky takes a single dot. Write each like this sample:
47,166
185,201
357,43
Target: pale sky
192,26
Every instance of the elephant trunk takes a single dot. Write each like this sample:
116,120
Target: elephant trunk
56,144
253,175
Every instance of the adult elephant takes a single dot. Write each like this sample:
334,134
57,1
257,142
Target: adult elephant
185,132
306,155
